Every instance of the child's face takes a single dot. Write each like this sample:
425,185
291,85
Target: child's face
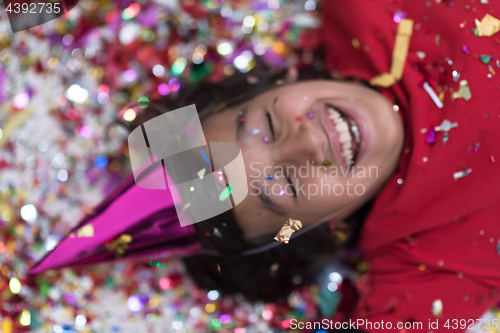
293,130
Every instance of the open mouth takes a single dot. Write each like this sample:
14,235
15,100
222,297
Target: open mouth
349,136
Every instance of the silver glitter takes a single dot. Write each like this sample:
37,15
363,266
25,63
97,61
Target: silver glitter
461,174
400,181
217,232
445,126
437,308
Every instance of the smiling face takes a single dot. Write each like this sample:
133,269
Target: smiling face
311,150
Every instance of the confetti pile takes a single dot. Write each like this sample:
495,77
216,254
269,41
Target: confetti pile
63,85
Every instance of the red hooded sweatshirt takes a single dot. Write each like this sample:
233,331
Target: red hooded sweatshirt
432,242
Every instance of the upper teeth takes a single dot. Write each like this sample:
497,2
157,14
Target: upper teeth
345,137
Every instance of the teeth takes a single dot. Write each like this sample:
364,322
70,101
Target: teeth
342,128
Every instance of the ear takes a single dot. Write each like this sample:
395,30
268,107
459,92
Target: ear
292,75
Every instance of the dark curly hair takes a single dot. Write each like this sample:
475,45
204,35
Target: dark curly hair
267,275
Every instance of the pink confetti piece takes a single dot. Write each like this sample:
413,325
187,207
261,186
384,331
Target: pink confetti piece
431,136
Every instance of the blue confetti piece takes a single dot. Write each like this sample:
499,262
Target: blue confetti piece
205,157
269,177
101,161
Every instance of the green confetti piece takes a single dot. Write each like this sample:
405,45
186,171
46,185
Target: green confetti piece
216,323
143,102
485,58
109,282
157,264
226,193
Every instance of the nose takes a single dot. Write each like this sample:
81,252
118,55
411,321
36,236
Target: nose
303,144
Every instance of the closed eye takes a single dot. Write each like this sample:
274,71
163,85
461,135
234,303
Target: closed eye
292,186
270,124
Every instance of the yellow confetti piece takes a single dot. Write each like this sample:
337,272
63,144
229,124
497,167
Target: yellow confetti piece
13,122
120,244
401,46
7,325
355,42
422,267
384,80
25,318
488,26
399,55
463,91
210,307
287,230
86,231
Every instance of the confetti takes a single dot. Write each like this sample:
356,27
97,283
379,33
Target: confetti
255,131
224,195
120,244
217,232
327,163
157,264
86,231
445,138
201,173
298,118
488,26
399,55
205,157
437,308
465,49
463,91
461,174
445,126
431,136
310,115
433,95
265,138
485,59
282,193
492,159
287,230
